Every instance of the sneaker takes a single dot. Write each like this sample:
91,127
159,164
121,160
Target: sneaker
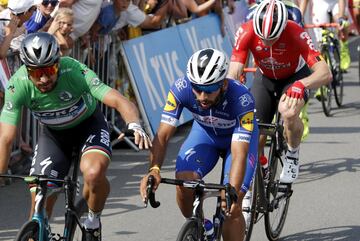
345,60
290,169
93,234
246,206
317,94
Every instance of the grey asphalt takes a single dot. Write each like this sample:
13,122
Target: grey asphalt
325,204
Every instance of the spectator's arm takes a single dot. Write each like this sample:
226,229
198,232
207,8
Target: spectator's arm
193,7
155,20
67,3
303,5
94,30
10,30
218,10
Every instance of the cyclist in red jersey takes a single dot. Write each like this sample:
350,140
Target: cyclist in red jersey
288,65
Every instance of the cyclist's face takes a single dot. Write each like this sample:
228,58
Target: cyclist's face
205,99
269,42
44,79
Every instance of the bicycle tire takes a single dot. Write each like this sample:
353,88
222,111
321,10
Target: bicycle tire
338,81
253,210
75,232
190,231
326,90
273,229
30,230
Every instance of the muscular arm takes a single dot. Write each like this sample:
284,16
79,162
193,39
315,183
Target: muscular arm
235,70
160,142
342,6
7,136
239,152
321,75
126,109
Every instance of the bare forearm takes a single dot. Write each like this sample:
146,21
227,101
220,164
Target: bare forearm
5,45
238,165
5,150
160,142
321,75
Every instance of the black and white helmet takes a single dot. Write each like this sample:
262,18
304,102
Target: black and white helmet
270,19
207,66
39,49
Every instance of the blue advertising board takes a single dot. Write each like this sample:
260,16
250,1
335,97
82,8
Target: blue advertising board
154,61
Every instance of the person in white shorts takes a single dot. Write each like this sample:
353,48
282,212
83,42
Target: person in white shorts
320,14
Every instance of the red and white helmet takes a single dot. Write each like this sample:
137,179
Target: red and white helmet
270,19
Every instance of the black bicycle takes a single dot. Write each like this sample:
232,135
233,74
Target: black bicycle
38,228
193,229
270,198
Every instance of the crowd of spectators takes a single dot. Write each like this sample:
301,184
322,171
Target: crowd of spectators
88,21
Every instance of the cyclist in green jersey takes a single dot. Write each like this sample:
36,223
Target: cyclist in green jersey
62,94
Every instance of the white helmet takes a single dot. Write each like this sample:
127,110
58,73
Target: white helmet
270,19
207,66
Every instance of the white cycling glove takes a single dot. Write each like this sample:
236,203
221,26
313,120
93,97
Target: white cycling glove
138,129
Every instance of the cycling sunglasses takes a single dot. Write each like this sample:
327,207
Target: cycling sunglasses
38,72
47,2
208,89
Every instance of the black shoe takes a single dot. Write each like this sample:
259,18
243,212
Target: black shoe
93,234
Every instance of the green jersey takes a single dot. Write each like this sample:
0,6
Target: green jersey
71,101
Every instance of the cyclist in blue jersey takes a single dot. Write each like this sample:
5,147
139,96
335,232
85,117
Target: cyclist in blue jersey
62,94
224,125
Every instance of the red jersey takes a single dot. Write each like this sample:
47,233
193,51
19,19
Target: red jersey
285,57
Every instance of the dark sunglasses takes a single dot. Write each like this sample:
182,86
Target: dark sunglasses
38,72
47,2
208,89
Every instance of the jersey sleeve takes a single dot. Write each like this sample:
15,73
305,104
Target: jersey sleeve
307,48
13,102
173,106
243,39
244,119
95,86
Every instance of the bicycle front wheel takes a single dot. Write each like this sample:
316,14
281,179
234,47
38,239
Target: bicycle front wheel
29,231
191,231
326,90
338,81
278,196
75,230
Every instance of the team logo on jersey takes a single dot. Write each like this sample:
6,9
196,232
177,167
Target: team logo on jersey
247,121
306,36
258,48
170,102
9,105
11,88
246,100
65,96
95,81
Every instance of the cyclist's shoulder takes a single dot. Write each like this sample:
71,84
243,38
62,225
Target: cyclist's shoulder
238,94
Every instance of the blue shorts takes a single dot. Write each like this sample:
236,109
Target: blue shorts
201,151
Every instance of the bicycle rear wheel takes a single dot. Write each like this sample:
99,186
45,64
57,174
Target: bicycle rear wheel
76,231
338,81
278,196
29,231
191,231
326,90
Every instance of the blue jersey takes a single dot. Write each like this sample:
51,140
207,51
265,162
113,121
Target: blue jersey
214,129
233,115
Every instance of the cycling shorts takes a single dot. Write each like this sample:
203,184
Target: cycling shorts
201,150
267,92
53,152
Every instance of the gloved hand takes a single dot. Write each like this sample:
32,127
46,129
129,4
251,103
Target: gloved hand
139,133
296,90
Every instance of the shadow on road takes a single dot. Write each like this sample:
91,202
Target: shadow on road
331,233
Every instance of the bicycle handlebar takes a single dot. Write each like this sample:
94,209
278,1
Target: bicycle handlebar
230,192
321,25
36,179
